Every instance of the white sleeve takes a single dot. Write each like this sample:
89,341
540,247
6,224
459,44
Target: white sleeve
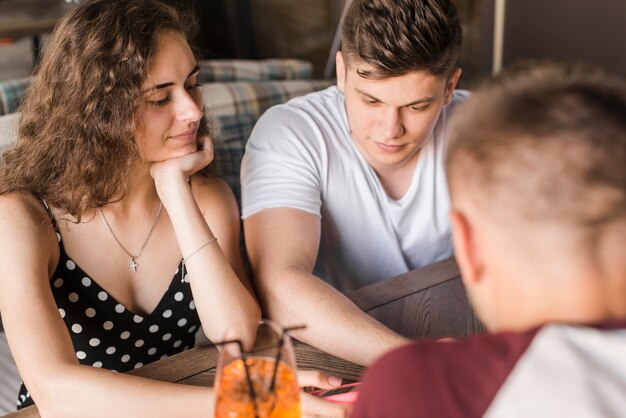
282,163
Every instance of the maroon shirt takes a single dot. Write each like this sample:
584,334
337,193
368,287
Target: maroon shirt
447,379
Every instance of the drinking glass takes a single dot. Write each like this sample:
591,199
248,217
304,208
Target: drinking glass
260,382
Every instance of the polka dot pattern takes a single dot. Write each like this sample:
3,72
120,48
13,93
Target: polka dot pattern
105,334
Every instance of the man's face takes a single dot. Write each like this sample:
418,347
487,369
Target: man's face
390,119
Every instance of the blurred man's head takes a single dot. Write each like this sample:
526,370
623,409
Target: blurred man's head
536,167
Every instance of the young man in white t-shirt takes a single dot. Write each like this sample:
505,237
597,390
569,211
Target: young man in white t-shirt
345,187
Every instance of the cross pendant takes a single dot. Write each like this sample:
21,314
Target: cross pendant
133,264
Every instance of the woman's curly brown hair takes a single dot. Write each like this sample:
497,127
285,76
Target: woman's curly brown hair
76,144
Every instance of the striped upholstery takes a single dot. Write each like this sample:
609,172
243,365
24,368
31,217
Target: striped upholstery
232,108
8,131
235,107
254,70
9,378
11,92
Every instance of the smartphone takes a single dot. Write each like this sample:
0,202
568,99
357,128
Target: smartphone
346,394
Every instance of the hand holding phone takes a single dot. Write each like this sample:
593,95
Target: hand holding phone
346,394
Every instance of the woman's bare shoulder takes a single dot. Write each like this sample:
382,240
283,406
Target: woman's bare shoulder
211,190
24,214
23,203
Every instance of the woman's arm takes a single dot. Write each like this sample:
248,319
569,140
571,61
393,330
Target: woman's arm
40,342
218,280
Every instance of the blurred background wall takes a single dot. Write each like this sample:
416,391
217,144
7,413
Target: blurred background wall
593,30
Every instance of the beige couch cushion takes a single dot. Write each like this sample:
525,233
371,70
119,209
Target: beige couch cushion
8,131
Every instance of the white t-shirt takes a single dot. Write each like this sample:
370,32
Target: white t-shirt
300,155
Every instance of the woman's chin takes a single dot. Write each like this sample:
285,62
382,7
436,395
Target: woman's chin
182,151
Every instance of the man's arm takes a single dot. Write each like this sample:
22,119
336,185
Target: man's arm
282,245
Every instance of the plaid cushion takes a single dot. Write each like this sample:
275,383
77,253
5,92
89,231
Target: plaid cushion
254,70
235,107
232,108
8,132
11,93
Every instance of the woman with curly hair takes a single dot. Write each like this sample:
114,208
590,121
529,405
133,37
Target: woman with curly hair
114,247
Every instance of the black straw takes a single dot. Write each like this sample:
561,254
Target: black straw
278,354
247,371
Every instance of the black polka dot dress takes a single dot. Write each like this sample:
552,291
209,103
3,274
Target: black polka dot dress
105,334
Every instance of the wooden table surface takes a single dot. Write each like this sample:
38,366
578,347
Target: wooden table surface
197,367
427,302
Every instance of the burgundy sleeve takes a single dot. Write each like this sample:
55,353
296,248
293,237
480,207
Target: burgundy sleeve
431,379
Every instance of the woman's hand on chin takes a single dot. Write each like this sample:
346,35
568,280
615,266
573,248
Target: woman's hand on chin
181,168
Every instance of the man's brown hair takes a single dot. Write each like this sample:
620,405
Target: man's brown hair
543,142
396,37
76,144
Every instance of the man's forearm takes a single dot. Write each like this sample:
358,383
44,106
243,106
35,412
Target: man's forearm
334,323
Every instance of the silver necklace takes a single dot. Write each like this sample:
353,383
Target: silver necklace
133,258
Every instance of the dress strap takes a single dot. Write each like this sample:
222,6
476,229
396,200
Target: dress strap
50,215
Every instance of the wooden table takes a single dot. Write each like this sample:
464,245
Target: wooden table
197,367
426,302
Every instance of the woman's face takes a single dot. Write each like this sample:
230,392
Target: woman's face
170,117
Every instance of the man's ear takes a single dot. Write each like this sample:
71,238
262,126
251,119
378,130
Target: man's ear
465,249
340,68
451,84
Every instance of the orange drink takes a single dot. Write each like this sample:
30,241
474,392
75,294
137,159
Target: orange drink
234,399
259,381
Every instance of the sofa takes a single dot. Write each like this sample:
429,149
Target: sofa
235,94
